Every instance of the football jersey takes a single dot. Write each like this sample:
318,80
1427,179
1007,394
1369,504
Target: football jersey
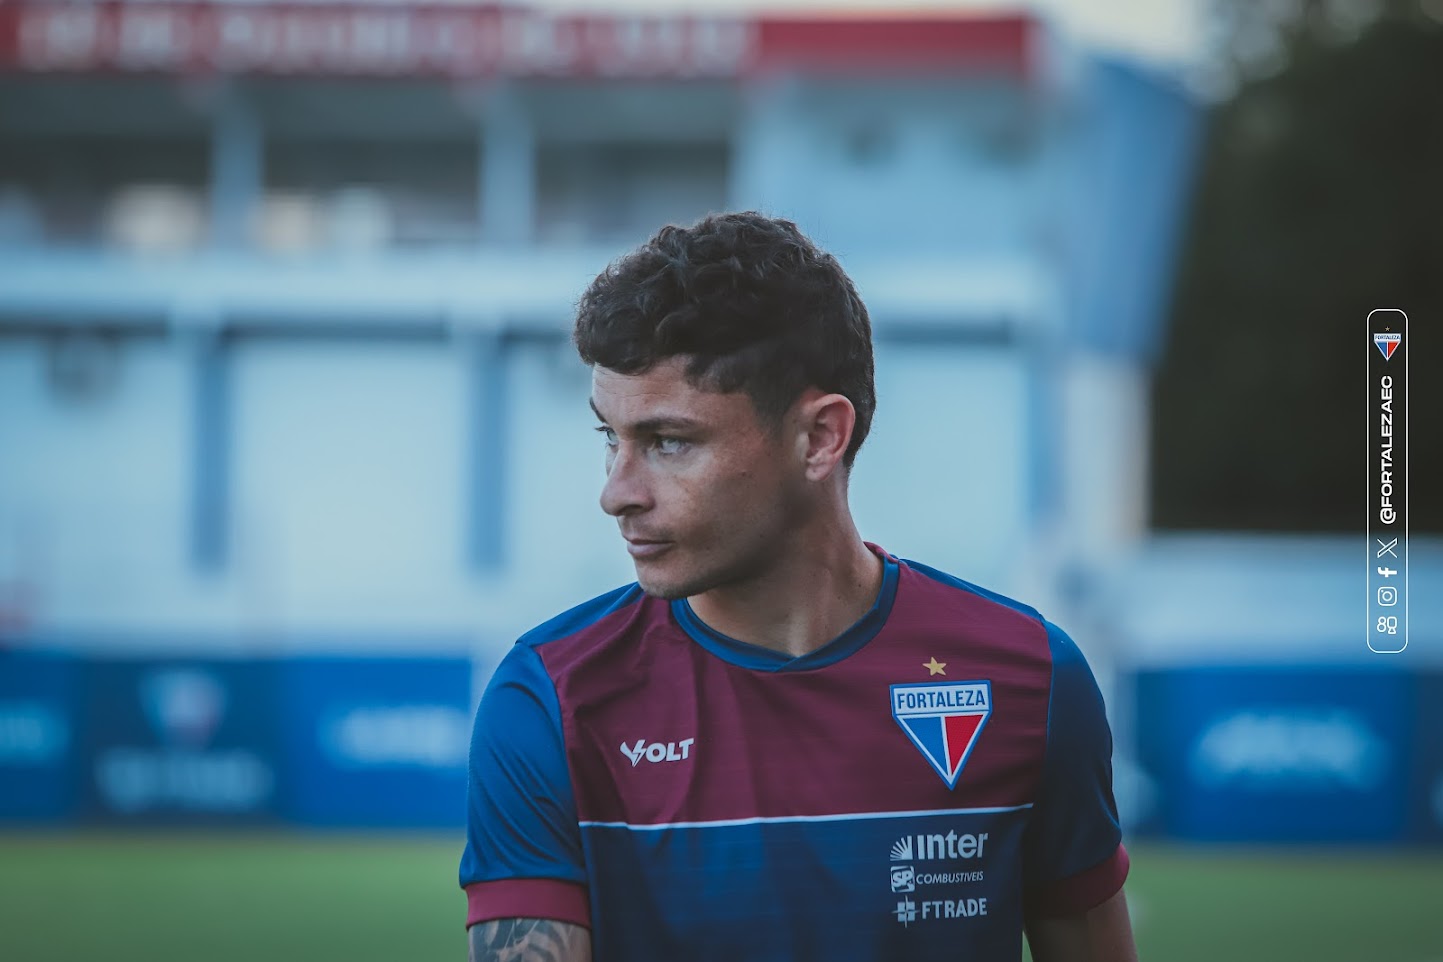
905,792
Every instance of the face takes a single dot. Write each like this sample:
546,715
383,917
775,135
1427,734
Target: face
702,491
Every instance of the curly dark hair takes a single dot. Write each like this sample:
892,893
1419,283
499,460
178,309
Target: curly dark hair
754,304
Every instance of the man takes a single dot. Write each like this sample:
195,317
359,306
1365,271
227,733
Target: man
781,742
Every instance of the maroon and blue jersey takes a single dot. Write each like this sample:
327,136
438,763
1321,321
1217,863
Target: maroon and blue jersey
907,791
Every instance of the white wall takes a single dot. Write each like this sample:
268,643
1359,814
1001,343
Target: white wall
349,488
943,477
953,168
93,492
349,481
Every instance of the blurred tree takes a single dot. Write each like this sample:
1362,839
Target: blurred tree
1320,198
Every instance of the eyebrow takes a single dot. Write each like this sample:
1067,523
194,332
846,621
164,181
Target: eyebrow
653,425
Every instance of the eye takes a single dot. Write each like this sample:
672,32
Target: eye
608,434
670,445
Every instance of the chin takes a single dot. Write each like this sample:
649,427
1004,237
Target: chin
665,588
670,586
665,592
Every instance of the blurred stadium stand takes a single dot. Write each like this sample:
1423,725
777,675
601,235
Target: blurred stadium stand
296,281
291,433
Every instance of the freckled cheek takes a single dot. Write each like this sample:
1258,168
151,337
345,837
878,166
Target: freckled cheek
696,511
684,501
729,501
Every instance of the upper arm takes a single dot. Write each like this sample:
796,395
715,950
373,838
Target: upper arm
1073,858
528,940
1101,934
523,856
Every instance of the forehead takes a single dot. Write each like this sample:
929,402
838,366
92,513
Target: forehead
662,391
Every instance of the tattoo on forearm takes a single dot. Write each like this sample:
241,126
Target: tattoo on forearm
528,940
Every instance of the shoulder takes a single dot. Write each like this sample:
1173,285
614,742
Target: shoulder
588,617
528,672
1019,622
557,644
950,586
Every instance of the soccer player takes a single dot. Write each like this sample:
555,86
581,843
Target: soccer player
782,742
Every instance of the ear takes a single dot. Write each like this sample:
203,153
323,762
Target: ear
825,425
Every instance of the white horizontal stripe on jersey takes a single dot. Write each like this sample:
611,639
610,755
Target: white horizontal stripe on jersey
773,819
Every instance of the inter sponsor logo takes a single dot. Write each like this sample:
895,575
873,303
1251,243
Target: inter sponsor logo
922,848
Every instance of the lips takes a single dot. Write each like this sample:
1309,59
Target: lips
643,548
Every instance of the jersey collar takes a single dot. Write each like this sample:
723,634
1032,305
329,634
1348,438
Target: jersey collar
746,655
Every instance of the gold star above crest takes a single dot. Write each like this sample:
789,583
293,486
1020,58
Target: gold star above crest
934,667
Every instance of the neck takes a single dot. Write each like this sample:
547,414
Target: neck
820,583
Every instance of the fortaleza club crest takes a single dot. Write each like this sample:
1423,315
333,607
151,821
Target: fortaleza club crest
943,720
1387,343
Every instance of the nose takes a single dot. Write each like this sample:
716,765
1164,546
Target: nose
626,490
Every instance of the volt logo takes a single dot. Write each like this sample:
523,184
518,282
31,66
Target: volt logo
657,751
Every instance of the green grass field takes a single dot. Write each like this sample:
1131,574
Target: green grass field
393,899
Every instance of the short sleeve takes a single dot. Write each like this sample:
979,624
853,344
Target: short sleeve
523,855
1073,857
